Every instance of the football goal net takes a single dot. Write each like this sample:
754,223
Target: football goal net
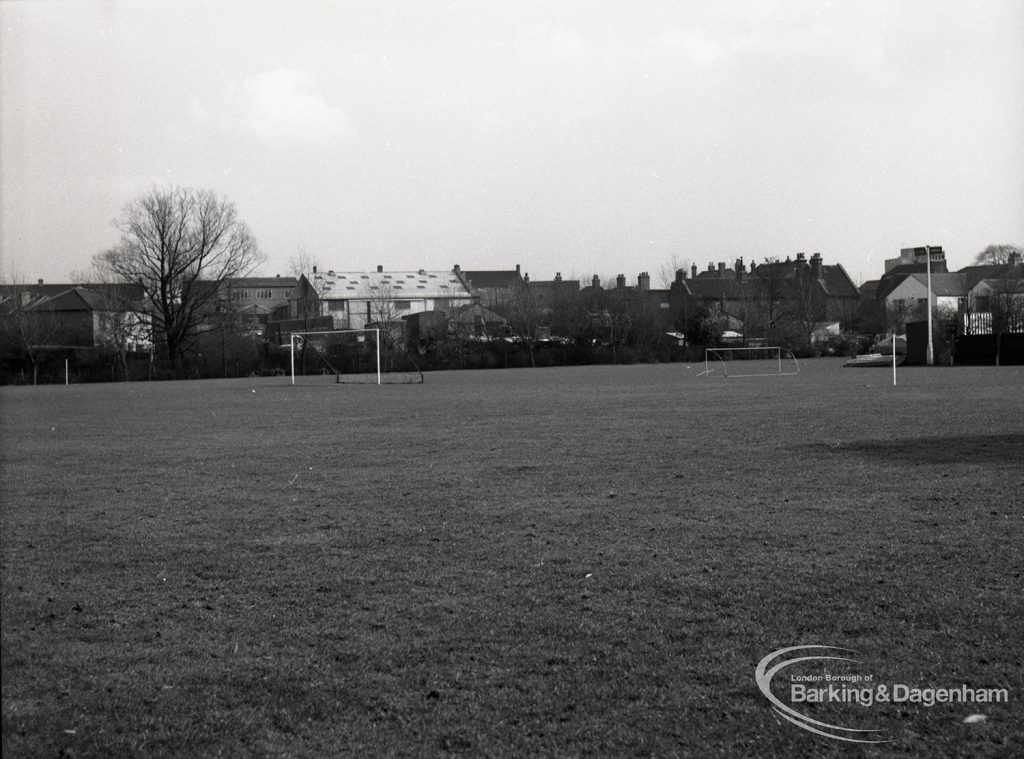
352,356
750,362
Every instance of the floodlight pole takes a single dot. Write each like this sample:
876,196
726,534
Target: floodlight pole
291,343
377,335
930,356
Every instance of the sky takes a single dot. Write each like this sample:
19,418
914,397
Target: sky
597,137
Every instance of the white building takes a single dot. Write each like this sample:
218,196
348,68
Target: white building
355,299
948,293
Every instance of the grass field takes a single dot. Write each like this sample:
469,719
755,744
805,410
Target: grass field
577,561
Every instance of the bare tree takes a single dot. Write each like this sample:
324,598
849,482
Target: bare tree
667,271
180,245
1006,303
383,310
525,317
806,302
998,254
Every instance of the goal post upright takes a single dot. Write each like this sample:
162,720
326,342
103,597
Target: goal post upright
377,336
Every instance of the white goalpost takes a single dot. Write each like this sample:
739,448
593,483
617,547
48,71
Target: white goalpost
751,362
346,354
311,338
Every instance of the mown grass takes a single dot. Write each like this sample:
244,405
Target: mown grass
579,561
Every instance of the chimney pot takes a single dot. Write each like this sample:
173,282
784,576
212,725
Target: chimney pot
40,282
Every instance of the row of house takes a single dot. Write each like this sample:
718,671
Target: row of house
748,300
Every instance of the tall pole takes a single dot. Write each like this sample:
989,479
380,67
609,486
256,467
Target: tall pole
291,340
377,331
929,356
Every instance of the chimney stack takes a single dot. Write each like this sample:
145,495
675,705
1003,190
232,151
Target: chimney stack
693,271
620,281
816,264
314,268
517,269
40,282
457,269
596,282
1013,260
558,276
379,268
643,282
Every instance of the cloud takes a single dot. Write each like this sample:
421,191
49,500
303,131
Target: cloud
281,107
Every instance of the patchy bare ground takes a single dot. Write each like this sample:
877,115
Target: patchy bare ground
549,562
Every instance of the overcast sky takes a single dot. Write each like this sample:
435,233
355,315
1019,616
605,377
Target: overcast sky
592,137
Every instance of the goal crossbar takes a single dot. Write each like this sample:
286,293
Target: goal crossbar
773,353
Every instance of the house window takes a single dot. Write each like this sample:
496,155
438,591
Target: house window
264,294
239,295
401,305
336,305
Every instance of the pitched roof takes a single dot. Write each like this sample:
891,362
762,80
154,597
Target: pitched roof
494,280
65,297
892,278
837,282
942,284
262,282
393,285
972,275
1002,285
